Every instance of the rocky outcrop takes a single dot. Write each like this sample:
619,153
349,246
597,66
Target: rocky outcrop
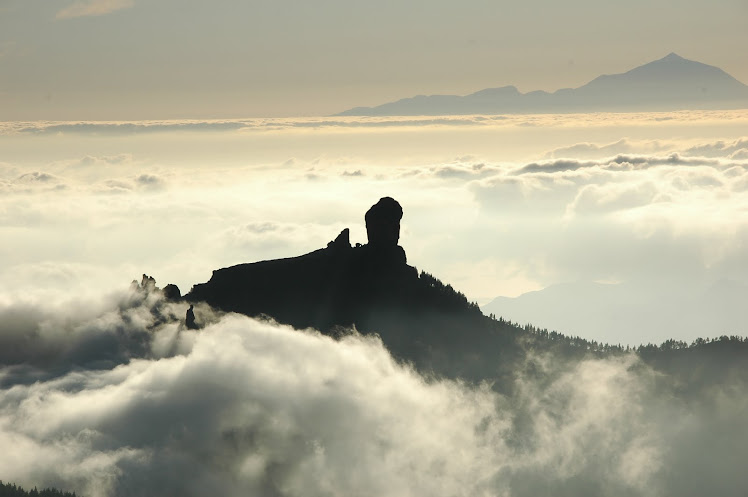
383,232
337,285
189,319
342,242
171,292
383,222
370,287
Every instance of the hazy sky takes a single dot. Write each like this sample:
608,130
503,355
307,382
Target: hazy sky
151,59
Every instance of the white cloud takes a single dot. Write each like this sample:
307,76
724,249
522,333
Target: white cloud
612,197
719,148
587,150
84,8
115,395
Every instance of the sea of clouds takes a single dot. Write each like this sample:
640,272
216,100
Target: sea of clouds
494,205
118,398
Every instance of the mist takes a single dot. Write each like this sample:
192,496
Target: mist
122,399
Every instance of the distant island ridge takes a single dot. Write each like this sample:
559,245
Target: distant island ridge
670,83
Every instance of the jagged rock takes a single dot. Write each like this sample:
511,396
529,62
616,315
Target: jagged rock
383,222
328,287
342,242
189,319
148,283
171,292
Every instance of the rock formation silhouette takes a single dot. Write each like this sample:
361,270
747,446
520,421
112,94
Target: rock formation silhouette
325,288
383,222
342,242
171,292
147,283
370,287
189,319
419,319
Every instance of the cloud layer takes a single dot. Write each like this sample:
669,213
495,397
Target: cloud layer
495,208
84,8
246,406
355,123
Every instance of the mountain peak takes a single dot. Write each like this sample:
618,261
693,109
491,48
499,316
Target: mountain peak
672,56
503,91
669,83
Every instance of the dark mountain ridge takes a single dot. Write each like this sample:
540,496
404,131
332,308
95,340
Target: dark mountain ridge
367,287
371,289
670,83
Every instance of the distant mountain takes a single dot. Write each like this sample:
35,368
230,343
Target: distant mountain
670,83
638,310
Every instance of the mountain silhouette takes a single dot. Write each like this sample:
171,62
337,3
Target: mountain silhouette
371,289
638,309
670,83
367,287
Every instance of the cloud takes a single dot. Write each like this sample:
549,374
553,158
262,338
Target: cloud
269,125
668,222
247,406
719,148
118,159
150,181
45,338
565,185
621,161
458,124
116,396
463,170
589,150
37,177
270,236
613,197
85,8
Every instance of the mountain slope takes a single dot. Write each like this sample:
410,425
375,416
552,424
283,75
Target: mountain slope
670,83
371,289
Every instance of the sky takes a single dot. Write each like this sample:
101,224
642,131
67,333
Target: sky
173,59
